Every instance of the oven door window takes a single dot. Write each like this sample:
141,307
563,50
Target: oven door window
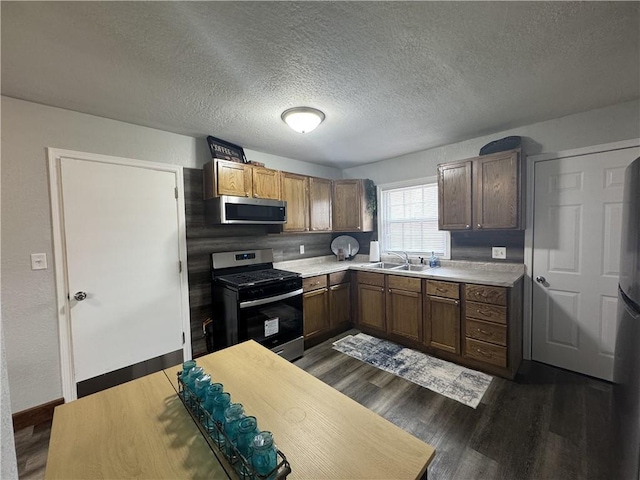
274,323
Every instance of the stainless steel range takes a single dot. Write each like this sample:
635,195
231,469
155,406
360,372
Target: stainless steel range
253,300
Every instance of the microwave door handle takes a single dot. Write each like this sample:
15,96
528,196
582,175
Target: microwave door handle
263,301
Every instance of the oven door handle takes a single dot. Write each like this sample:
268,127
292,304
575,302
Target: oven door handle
276,298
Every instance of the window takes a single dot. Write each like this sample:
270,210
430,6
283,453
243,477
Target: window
409,219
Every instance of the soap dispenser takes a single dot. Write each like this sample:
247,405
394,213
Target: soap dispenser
433,260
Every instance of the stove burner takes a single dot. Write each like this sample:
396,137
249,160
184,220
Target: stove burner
255,277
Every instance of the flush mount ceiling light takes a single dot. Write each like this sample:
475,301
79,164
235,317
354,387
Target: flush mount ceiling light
303,119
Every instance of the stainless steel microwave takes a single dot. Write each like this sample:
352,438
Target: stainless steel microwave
226,209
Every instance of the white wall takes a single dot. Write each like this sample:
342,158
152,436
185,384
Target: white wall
595,127
8,462
28,297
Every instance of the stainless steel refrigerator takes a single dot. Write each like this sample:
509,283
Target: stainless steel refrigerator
626,389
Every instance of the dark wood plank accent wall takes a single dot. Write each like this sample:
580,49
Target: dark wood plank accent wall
204,239
476,246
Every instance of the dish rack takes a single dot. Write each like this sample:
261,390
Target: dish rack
237,466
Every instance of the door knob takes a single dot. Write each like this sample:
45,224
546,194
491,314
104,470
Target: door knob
540,279
79,296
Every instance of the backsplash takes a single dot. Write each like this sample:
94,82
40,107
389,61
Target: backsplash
476,246
204,239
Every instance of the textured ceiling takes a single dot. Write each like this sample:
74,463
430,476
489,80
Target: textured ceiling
391,77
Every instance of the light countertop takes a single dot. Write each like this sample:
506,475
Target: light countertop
484,273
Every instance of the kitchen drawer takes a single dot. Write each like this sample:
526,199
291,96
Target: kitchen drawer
486,294
486,331
313,283
368,278
485,311
337,278
486,352
443,289
409,284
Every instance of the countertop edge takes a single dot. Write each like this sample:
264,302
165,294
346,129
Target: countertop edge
452,274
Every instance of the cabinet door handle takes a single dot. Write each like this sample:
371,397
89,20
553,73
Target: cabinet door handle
482,353
255,195
246,194
479,226
486,333
467,226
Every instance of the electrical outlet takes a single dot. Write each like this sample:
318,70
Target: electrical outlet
38,261
301,249
499,252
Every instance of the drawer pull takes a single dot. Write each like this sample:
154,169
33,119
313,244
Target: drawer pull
483,354
484,332
444,290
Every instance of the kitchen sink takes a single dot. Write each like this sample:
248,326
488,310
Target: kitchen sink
412,268
386,265
400,266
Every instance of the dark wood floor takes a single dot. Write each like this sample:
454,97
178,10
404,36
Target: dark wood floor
547,424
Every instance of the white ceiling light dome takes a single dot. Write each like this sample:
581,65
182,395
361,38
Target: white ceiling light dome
303,119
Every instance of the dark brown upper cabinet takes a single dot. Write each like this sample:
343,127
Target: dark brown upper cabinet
482,193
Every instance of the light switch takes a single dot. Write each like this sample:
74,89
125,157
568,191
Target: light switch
301,249
499,252
38,261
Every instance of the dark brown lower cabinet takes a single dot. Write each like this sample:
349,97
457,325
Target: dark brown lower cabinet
315,305
371,301
442,316
442,324
340,305
404,307
326,304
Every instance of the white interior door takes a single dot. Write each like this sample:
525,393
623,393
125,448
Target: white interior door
576,254
121,244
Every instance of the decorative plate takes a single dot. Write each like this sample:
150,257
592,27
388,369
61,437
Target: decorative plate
349,245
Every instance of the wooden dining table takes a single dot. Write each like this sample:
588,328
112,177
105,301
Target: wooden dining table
141,429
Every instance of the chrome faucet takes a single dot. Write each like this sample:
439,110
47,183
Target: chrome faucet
404,256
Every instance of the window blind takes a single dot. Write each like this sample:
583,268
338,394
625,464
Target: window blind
410,220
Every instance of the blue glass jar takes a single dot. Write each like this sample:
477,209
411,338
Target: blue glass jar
194,373
200,386
213,390
220,404
232,416
247,430
264,458
186,366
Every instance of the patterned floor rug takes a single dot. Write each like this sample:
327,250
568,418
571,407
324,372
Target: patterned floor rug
446,378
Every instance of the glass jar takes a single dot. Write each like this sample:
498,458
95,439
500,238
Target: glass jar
194,373
264,458
232,416
186,366
201,384
220,404
213,390
247,430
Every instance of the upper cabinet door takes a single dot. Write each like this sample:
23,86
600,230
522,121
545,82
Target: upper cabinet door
347,210
294,192
266,183
495,186
233,179
319,204
454,196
